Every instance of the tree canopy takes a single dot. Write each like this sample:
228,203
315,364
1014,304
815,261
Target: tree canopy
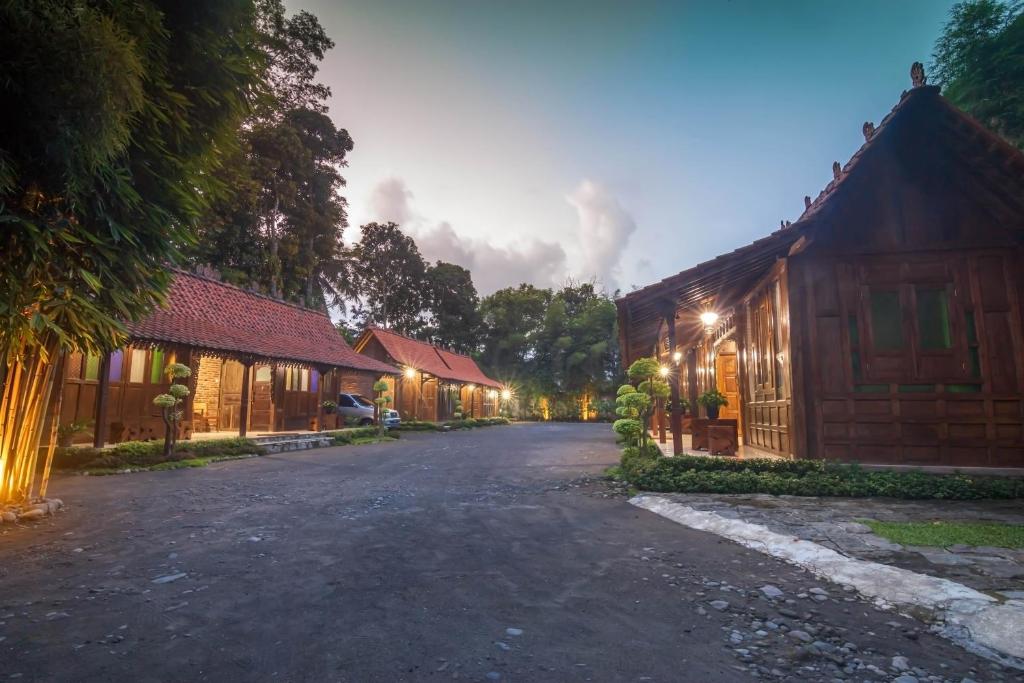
979,62
125,111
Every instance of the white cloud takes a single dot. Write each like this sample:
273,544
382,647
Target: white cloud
494,267
535,261
389,201
605,229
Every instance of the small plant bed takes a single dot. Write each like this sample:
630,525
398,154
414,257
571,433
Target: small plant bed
357,436
647,469
149,455
946,534
466,423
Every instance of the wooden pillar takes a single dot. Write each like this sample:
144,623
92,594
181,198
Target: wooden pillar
243,411
100,424
661,420
691,382
674,388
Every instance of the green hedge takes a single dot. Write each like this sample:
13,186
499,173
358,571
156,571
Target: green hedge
342,437
148,453
709,474
467,423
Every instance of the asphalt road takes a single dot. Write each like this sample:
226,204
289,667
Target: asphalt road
411,561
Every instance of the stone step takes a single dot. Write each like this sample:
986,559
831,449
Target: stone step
301,444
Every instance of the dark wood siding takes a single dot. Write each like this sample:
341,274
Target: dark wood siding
892,396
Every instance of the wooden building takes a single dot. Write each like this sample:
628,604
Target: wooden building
258,365
432,378
884,325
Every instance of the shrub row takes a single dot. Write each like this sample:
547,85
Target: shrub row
467,423
148,453
342,437
696,474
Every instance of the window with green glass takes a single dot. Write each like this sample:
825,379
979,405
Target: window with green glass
933,318
886,320
156,369
92,368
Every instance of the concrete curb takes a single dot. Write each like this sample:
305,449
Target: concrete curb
972,619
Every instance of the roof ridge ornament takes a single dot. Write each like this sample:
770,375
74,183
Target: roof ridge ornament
807,201
837,170
917,75
868,129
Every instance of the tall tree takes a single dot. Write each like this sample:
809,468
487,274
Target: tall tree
510,319
123,112
282,228
979,61
453,307
389,279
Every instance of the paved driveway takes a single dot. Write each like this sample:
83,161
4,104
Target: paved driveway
470,556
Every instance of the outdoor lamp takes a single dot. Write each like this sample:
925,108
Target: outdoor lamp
505,394
410,372
709,318
663,371
677,356
471,387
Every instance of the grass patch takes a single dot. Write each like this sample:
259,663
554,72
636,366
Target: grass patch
945,534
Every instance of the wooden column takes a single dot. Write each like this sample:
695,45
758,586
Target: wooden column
243,409
674,381
100,425
691,382
661,420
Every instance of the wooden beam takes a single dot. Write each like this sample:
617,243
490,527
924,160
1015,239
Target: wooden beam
100,425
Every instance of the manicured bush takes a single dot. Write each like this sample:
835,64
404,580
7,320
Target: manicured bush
808,478
637,460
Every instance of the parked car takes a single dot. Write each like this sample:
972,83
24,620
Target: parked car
357,407
392,418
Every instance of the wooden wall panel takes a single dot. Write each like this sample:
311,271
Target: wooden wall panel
915,405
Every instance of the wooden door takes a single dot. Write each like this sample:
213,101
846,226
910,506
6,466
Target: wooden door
262,400
230,395
727,380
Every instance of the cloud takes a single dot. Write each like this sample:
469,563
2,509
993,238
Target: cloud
493,267
537,262
605,229
389,201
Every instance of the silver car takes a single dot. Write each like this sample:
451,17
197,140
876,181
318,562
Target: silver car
357,407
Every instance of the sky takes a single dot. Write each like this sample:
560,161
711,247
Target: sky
617,141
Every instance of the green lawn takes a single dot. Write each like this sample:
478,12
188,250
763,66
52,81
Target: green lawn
945,534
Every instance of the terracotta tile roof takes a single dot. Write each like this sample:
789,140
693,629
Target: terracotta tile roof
221,318
467,369
430,359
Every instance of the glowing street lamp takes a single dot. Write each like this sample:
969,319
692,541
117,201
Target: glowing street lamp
709,318
663,371
410,373
677,356
506,395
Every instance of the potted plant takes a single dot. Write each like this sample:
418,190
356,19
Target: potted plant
329,407
712,400
66,433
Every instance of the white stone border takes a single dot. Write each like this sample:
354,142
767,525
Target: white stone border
972,619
